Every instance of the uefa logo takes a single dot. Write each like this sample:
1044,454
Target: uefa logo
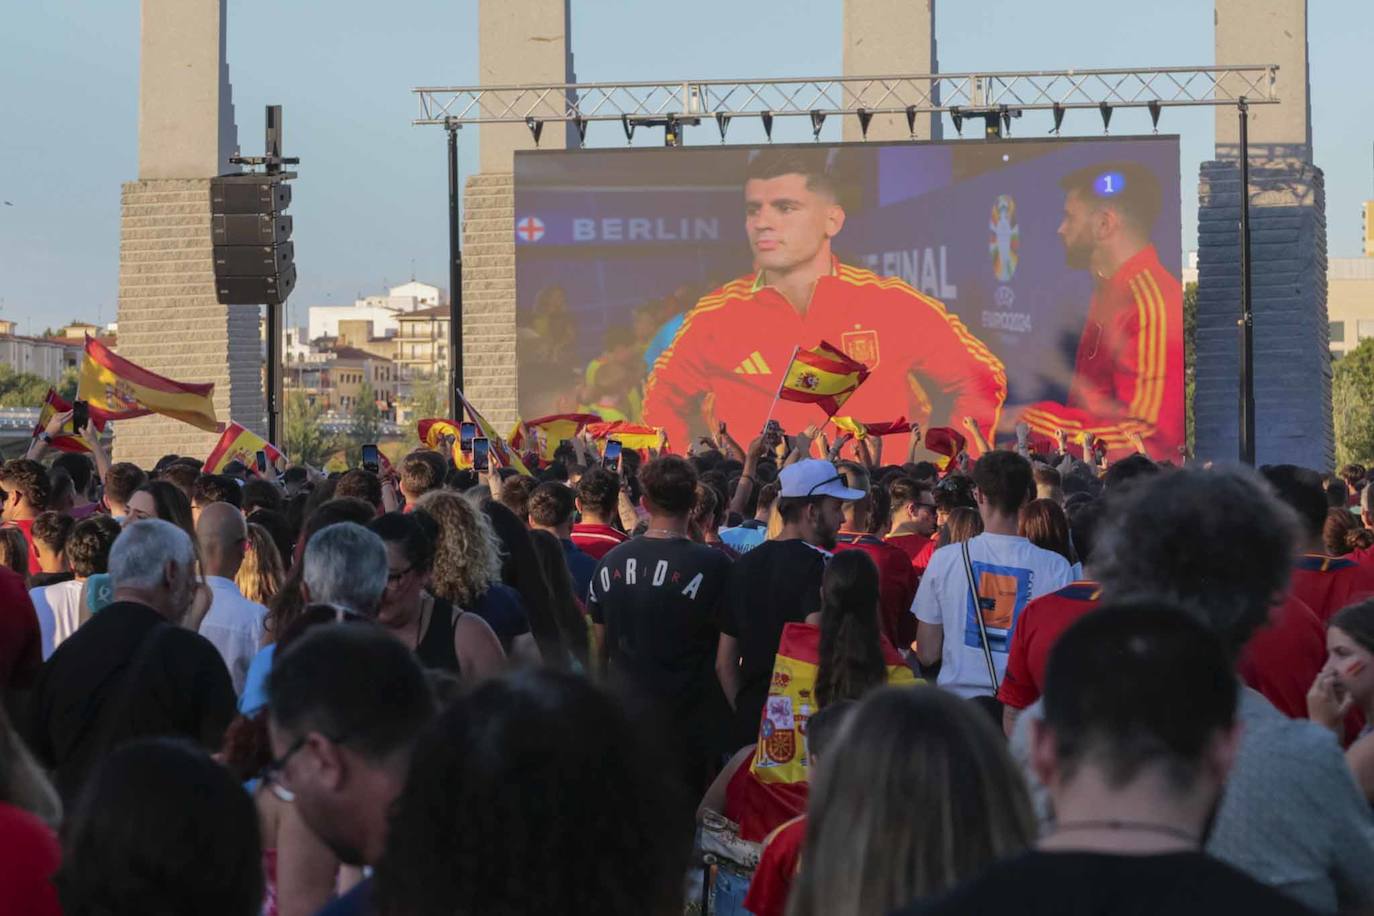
1004,238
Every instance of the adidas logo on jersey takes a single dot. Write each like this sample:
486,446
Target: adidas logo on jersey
754,365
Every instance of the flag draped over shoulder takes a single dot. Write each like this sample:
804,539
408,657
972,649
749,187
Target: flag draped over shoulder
635,436
824,376
238,443
779,771
862,431
68,440
118,389
547,432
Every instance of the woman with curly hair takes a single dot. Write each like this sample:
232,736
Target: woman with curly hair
536,794
467,571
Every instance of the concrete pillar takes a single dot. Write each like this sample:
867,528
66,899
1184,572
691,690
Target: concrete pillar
169,319
522,41
884,38
1287,196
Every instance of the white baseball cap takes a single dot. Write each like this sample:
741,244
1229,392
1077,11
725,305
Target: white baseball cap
814,477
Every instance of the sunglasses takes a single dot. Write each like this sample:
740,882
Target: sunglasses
271,774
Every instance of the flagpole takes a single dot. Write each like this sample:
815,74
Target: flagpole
777,395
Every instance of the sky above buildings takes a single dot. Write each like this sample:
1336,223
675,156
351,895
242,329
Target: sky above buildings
370,207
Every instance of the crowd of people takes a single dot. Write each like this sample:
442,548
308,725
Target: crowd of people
1032,681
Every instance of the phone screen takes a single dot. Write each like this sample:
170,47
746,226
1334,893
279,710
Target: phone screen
81,415
262,461
611,460
480,447
466,433
370,461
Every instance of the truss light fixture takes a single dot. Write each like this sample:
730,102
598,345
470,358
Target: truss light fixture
817,121
629,126
957,116
1006,120
865,118
767,118
723,122
581,125
911,121
1106,115
1155,109
1058,118
536,127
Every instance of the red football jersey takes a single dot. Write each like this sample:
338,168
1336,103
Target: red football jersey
1038,628
1327,584
597,540
1128,373
896,584
1282,660
910,544
737,341
778,866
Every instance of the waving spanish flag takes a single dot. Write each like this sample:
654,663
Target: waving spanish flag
502,453
862,431
432,429
547,432
118,389
68,440
241,444
635,436
823,375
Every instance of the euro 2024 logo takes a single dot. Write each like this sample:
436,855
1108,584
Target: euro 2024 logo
1004,238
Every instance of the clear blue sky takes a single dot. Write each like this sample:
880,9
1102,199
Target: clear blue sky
371,200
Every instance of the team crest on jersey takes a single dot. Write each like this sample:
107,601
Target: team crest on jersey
861,346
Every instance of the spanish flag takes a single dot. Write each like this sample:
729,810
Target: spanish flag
947,442
240,444
823,375
432,431
69,439
545,433
634,436
862,431
504,455
117,389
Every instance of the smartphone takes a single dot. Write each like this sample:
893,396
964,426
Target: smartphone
370,457
481,446
466,433
81,415
772,433
262,462
611,459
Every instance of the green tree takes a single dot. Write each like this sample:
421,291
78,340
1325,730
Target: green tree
367,423
428,398
1190,361
306,442
67,385
1352,404
22,389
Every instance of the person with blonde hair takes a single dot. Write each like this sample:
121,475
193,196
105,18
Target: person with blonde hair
261,575
918,794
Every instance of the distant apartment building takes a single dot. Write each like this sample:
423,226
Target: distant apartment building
422,343
1349,302
382,311
45,357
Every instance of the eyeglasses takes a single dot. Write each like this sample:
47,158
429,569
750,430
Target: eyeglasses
271,774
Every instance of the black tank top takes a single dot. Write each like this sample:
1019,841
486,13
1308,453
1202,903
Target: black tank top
435,649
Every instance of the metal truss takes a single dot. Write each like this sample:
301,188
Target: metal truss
864,96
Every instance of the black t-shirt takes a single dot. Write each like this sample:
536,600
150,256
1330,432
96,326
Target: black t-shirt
1100,884
776,583
659,599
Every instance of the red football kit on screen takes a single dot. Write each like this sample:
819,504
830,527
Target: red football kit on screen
1128,374
737,341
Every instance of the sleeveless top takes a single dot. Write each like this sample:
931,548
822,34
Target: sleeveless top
435,649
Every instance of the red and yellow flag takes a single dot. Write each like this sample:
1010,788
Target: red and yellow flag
824,376
779,772
69,439
432,431
238,443
947,442
547,432
118,389
635,436
862,431
504,455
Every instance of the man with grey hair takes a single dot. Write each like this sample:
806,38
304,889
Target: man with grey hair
345,565
1219,545
131,671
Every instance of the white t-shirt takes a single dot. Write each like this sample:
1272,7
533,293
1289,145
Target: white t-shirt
58,608
1009,571
235,626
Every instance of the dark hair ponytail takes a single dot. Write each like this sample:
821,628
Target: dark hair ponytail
851,652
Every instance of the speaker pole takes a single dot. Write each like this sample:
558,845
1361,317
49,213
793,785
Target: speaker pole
455,280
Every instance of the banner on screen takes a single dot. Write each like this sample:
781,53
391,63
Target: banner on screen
1017,281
